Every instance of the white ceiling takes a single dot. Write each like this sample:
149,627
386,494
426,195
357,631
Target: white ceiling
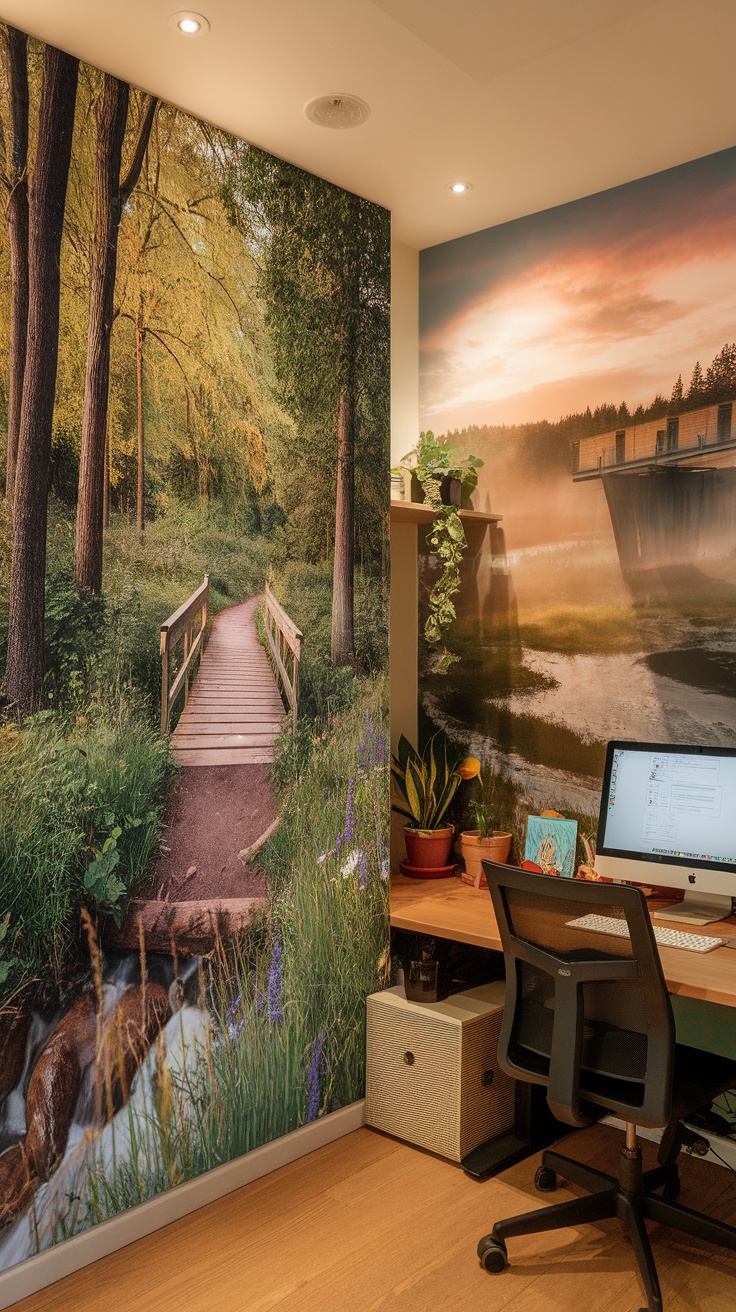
534,102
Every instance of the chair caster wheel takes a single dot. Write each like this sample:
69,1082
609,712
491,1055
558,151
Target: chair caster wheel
545,1180
671,1190
492,1254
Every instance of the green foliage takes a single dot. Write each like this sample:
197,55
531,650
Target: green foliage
483,817
294,751
324,283
102,887
63,780
427,783
74,637
435,460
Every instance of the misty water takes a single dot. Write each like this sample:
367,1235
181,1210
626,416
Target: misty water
559,655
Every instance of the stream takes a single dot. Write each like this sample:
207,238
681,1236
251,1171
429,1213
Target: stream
94,1121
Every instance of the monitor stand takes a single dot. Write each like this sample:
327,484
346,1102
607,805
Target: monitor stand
696,909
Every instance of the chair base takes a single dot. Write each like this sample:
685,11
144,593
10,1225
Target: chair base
631,1198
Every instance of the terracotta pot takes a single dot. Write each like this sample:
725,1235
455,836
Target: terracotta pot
476,849
428,850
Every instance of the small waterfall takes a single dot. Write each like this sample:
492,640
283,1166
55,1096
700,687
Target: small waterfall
96,1152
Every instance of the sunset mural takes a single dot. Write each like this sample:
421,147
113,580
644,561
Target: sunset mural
587,355
603,299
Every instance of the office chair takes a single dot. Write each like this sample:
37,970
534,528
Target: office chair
588,1016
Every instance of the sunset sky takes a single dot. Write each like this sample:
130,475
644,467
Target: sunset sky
604,299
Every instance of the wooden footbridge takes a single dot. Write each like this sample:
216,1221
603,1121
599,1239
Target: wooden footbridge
235,706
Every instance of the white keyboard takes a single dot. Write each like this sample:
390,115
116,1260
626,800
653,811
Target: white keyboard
666,938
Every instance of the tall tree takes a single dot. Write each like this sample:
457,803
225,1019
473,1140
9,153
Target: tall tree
47,197
696,390
16,182
325,281
111,196
140,333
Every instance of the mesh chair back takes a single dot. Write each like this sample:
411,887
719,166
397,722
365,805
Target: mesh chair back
587,1014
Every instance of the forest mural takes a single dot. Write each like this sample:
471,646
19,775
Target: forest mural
588,355
193,382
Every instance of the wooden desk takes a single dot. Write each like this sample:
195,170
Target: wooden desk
447,908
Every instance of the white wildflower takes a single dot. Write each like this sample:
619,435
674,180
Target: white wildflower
350,865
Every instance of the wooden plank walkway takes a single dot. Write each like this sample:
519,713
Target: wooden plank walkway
235,709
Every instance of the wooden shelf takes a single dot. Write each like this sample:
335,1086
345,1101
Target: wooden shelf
416,512
447,908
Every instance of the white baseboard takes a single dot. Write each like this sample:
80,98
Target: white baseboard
46,1268
726,1148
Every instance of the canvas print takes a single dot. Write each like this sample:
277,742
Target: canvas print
550,844
194,386
587,355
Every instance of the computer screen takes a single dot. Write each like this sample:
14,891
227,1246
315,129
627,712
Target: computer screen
670,805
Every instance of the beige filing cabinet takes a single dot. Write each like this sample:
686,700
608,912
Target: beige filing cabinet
432,1072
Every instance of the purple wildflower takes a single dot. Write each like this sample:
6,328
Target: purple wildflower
234,1019
275,985
373,749
313,1076
350,813
380,749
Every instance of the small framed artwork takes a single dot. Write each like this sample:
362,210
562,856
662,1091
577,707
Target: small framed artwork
550,844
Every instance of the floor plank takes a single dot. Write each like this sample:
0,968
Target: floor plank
368,1224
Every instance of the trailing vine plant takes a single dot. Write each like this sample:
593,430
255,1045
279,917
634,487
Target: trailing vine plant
432,461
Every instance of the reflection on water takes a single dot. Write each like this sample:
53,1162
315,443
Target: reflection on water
544,718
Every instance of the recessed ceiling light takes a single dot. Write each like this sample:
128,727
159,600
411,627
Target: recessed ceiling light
337,111
459,187
189,24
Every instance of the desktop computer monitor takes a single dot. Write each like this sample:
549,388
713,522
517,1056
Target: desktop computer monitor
668,816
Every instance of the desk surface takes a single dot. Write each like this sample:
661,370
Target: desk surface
447,908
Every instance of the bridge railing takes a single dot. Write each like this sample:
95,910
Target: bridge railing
187,623
285,643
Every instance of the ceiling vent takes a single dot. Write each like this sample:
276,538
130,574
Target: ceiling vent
337,111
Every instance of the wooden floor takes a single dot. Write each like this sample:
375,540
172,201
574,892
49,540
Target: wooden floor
369,1224
234,711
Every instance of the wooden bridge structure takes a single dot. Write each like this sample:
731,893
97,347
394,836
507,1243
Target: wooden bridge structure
234,708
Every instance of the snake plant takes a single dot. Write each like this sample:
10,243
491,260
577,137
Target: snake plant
427,783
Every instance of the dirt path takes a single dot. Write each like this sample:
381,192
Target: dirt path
214,813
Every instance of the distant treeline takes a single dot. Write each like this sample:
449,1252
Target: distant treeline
547,445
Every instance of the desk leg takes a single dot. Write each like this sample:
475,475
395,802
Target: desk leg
534,1127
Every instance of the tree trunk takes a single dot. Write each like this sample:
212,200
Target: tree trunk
343,637
47,198
141,503
106,498
18,243
110,197
112,117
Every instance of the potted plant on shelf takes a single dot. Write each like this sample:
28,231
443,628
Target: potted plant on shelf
482,843
447,479
427,785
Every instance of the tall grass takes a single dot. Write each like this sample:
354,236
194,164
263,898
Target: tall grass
66,781
285,1035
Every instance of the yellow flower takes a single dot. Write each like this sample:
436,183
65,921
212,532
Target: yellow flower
469,768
